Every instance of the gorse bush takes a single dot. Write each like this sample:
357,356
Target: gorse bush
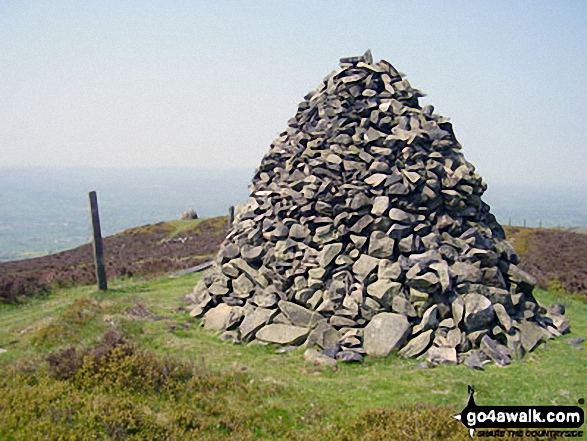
117,391
67,327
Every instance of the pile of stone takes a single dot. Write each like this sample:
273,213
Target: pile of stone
188,215
365,233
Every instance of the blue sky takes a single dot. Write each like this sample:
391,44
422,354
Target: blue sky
212,83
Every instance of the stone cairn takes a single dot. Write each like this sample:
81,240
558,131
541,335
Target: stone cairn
365,233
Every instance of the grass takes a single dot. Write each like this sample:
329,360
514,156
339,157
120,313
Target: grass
231,391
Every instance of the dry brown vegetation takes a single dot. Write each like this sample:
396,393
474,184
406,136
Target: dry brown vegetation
557,258
151,249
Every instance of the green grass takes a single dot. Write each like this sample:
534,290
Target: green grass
249,392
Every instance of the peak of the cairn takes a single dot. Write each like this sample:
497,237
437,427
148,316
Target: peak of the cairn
366,233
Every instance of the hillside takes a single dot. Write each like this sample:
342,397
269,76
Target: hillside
557,258
150,249
130,363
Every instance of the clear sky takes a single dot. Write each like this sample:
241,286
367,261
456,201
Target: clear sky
212,83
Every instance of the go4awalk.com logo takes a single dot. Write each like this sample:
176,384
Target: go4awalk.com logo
521,421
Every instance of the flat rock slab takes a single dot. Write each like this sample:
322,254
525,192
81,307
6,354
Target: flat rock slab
349,357
283,334
442,355
417,345
254,321
531,335
479,312
474,361
497,352
300,316
318,359
385,332
221,317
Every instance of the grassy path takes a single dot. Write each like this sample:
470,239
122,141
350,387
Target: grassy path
292,398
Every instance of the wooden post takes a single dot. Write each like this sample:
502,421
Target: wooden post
230,215
97,240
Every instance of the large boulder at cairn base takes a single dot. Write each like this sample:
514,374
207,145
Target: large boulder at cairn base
365,231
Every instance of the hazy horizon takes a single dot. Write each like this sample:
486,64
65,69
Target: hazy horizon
45,209
214,83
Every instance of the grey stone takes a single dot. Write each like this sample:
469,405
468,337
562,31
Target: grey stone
218,289
361,224
252,274
514,345
557,308
231,337
299,232
389,270
281,319
520,276
575,341
332,350
427,282
230,271
531,334
318,359
201,299
465,272
560,322
458,310
417,345
339,321
359,201
380,245
359,241
365,266
380,205
254,321
397,215
384,290
385,332
474,361
429,320
376,179
283,334
222,317
250,253
443,355
323,336
230,251
282,350
300,316
349,356
329,252
242,285
497,352
503,317
403,306
264,299
479,311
